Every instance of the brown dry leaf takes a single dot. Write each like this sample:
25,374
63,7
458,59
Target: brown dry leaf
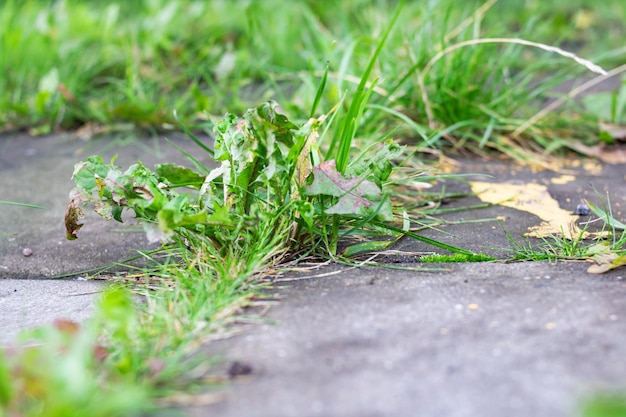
73,215
617,132
66,93
607,262
614,155
91,129
68,327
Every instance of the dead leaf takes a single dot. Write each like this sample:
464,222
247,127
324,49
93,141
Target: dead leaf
607,262
611,154
73,215
617,132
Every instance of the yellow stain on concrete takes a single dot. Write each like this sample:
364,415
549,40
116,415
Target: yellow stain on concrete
534,199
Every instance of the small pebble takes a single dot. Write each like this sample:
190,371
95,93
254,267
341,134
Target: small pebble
239,369
582,210
27,251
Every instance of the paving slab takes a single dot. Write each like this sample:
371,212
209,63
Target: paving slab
487,339
26,304
483,339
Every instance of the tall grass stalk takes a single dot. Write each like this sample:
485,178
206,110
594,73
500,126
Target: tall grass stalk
422,74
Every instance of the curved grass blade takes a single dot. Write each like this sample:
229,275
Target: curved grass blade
433,242
15,203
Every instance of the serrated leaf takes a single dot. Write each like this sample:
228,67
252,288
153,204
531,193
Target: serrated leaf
357,196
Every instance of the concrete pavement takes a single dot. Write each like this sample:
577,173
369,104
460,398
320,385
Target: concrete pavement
489,339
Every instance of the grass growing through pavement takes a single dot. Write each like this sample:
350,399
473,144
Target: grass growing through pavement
104,66
274,194
605,247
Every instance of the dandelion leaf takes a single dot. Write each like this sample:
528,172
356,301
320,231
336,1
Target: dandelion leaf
356,196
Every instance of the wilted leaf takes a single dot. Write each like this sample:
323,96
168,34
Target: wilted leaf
611,154
357,196
304,166
73,215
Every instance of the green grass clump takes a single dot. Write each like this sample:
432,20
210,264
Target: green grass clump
72,63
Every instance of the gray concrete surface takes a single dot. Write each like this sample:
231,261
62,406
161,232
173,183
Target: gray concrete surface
529,339
494,339
26,304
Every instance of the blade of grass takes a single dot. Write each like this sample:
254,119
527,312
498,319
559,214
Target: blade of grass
190,134
345,134
15,203
319,92
433,242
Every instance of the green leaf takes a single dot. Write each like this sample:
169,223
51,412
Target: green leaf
346,132
371,246
86,172
178,176
425,239
6,390
178,213
378,165
605,406
606,217
356,196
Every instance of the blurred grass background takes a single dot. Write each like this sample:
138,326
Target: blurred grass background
105,65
